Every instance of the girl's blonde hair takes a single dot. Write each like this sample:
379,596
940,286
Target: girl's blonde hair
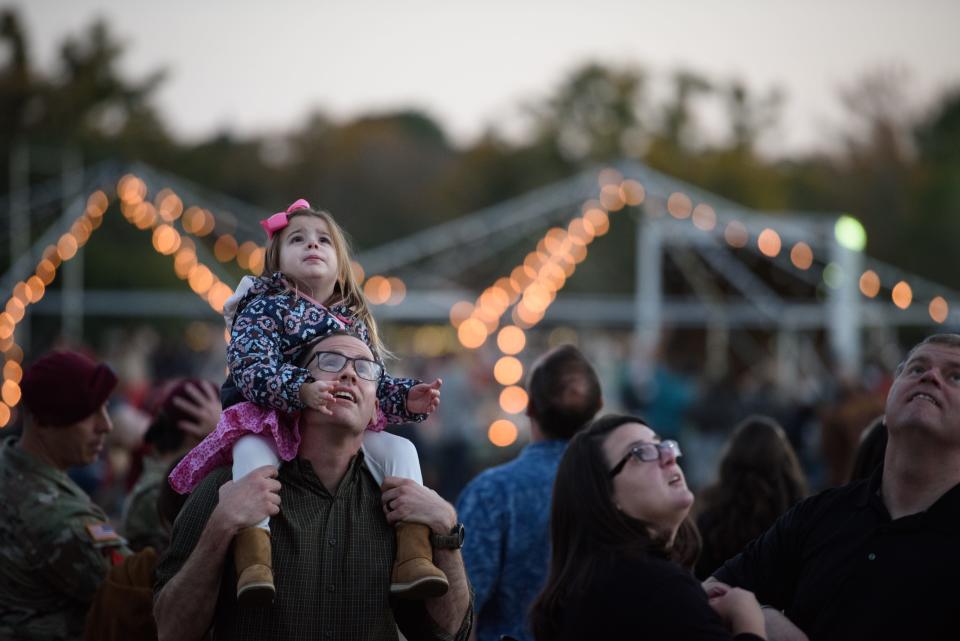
347,290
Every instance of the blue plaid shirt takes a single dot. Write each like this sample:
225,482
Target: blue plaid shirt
506,513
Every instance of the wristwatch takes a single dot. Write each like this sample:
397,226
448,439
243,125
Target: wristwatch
452,541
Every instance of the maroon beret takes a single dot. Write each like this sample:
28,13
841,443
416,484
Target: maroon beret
61,388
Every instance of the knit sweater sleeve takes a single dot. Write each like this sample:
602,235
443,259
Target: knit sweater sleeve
392,394
256,359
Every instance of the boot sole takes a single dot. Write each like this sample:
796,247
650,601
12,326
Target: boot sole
256,594
425,588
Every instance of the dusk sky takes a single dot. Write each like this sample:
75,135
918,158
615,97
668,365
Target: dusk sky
255,66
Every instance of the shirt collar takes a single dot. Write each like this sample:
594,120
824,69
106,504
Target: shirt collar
944,507
870,490
544,448
25,462
303,469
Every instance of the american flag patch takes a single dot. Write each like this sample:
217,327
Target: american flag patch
101,532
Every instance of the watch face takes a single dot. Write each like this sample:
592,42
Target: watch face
452,541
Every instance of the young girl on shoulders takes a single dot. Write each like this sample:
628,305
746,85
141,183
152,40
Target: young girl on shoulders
307,290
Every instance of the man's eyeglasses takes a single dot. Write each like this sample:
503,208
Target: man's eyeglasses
649,452
335,362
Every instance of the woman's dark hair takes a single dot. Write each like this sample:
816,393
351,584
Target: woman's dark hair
760,478
585,524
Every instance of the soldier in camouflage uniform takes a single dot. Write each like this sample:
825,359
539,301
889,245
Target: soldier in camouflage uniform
188,411
55,544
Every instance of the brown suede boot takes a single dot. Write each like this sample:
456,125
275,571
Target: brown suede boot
414,574
253,557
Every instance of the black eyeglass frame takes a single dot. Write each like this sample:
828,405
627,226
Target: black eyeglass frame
347,359
637,451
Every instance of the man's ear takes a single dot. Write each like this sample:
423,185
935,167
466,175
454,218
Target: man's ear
378,419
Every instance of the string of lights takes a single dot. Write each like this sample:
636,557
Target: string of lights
532,286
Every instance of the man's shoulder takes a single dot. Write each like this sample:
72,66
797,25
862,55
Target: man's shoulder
842,496
211,482
494,478
531,462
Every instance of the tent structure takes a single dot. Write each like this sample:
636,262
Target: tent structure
680,233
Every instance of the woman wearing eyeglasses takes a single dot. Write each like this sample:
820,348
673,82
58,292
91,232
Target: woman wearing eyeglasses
623,547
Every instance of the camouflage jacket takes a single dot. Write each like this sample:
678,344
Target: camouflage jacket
141,519
55,549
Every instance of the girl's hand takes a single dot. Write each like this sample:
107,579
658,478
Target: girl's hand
424,398
739,610
317,395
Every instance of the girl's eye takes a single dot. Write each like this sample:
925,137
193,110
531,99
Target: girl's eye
325,240
296,238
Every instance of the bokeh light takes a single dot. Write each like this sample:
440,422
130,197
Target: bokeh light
10,393
377,290
801,256
225,249
679,205
736,234
502,433
12,371
850,233
833,275
472,333
460,311
513,399
870,283
902,294
939,309
511,340
398,291
704,217
769,243
508,370
632,192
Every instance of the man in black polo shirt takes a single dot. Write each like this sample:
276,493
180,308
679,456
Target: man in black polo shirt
876,559
333,546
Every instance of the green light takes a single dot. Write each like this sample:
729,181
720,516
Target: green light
850,233
833,276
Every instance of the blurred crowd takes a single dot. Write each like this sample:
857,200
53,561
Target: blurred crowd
751,449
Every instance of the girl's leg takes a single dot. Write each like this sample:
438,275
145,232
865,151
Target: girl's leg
390,455
249,453
414,574
253,554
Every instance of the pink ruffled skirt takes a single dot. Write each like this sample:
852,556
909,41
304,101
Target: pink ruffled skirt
216,449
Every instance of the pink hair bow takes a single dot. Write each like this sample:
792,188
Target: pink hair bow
279,220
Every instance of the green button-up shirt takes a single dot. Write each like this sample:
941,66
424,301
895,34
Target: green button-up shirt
332,558
55,546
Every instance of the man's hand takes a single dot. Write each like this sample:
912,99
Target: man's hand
424,398
203,405
406,500
246,502
318,395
